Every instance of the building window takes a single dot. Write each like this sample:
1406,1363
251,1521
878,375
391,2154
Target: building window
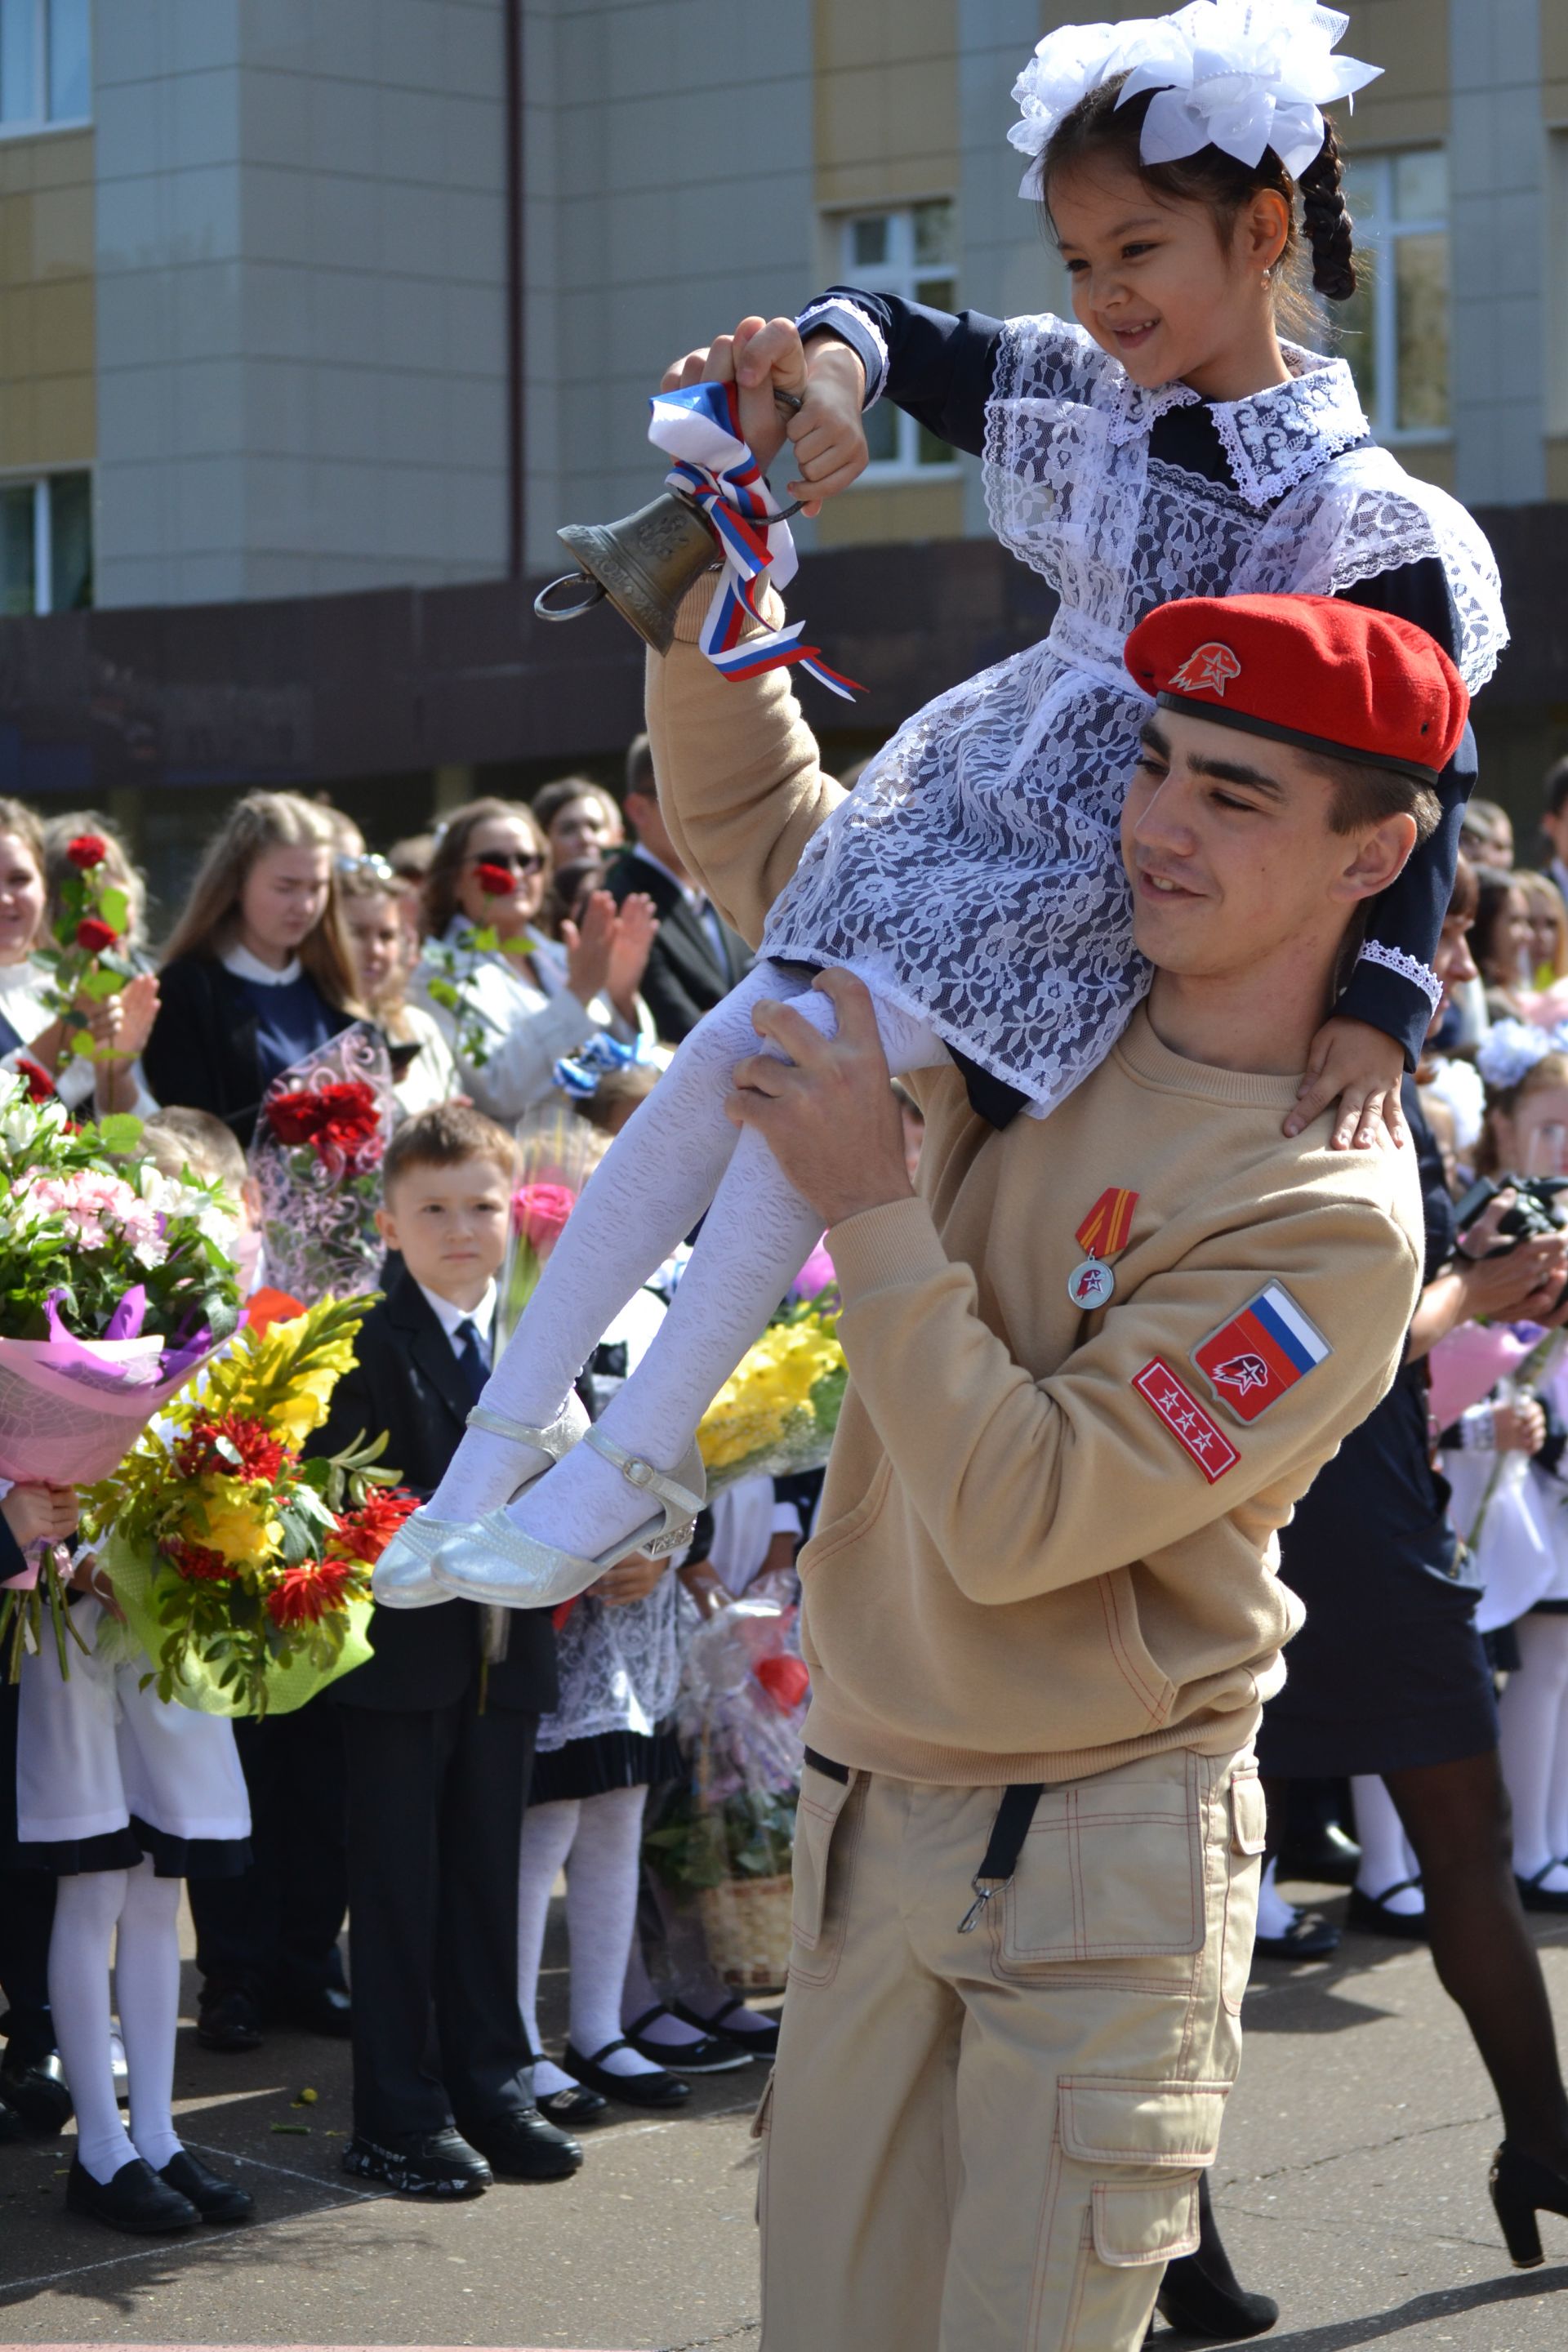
908,251
46,68
1396,328
45,545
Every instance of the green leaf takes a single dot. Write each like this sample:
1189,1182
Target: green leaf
114,907
120,1132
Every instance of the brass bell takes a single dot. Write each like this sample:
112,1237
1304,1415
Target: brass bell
644,564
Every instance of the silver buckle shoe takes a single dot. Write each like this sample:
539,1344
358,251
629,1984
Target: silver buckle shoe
495,1561
403,1577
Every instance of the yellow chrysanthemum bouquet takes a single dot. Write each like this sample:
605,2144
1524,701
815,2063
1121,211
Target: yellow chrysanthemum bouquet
778,1410
240,1568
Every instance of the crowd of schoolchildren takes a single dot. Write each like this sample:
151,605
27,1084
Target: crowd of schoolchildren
437,1826
432,1796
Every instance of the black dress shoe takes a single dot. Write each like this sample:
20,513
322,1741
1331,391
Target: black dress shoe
761,2040
708,2056
213,2199
1536,1897
1521,2189
420,2164
227,2018
525,2146
660,2090
1371,1913
136,2198
1326,1856
329,2011
573,2109
36,2089
1310,1936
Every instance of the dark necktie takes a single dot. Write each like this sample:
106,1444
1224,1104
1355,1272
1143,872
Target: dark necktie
472,1357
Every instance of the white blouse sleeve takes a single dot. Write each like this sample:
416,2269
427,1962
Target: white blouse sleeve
529,1032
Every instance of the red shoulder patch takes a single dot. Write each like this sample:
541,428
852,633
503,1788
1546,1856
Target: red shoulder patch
1185,1419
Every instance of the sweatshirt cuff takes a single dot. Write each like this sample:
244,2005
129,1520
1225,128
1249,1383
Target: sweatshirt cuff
884,1248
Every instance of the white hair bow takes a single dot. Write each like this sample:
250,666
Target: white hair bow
1511,1050
1243,75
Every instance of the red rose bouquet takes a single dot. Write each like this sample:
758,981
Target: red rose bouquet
317,1156
86,955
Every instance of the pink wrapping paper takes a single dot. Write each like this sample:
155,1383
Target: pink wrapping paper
1467,1365
71,1409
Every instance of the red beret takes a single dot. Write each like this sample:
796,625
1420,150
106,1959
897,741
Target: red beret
1311,670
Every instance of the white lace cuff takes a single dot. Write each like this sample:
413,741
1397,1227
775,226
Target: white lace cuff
1411,967
860,331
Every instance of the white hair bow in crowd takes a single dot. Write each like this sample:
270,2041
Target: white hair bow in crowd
1243,75
1511,1049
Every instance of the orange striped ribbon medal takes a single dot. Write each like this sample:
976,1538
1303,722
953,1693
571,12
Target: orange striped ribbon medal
1103,1235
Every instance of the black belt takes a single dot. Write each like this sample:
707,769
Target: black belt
1005,1844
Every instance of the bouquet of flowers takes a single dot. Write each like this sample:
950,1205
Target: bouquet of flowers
115,1283
319,1142
778,1410
85,957
727,1837
242,1570
557,1153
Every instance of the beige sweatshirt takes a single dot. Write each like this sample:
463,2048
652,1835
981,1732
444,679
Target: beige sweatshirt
1022,1572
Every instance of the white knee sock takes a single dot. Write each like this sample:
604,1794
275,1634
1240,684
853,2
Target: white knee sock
756,1237
1534,1743
1275,1916
644,1198
147,1995
1385,1854
86,1909
601,1908
547,1834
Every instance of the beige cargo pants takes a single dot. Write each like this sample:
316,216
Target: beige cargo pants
991,2142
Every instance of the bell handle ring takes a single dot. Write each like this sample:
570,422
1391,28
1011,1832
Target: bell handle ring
548,612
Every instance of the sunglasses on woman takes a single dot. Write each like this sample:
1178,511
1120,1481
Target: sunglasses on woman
515,861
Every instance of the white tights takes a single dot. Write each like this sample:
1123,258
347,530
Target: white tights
1535,1747
598,1839
1387,1858
677,1157
89,1910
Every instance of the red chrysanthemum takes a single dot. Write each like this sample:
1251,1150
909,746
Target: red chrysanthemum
342,1121
197,1563
495,881
94,934
88,849
786,1681
261,1456
316,1588
364,1533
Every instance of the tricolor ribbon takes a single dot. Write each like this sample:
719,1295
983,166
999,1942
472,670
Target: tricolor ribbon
1103,1232
700,429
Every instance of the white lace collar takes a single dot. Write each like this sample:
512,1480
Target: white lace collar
246,966
1272,439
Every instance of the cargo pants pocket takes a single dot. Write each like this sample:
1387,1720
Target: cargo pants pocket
1111,1869
826,1831
1136,2150
1249,1837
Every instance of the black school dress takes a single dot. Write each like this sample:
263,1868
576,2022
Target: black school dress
1388,1671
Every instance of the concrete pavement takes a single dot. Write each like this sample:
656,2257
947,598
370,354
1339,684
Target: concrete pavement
1352,2184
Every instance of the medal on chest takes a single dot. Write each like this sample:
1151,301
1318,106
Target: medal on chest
1103,1235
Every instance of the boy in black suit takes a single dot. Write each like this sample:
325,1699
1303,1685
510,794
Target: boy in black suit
443,2094
695,960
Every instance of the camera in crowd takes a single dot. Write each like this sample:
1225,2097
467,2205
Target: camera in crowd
1536,1212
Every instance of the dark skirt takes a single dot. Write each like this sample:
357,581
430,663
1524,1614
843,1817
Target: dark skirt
610,1760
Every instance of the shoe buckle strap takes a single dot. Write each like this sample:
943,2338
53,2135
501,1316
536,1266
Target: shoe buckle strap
522,1433
680,1502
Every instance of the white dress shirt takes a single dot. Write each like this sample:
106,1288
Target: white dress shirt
452,1318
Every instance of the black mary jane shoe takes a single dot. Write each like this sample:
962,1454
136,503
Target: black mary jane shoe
1200,2295
37,2091
1371,1913
215,2200
1536,1897
229,2019
661,2090
135,2200
573,2107
1521,2189
1310,1936
757,2043
419,2164
710,2055
525,2146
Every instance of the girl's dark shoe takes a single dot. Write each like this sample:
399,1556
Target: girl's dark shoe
1536,1897
1201,2294
710,2055
761,2040
655,2090
215,2200
1371,1913
135,2200
1520,2189
1310,1936
573,2109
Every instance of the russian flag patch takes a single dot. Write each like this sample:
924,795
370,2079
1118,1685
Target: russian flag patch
1251,1362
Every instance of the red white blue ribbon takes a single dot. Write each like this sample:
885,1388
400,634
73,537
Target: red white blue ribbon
700,429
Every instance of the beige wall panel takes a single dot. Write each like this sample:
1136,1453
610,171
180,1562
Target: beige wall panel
1557,469
1429,462
1555,62
870,32
903,510
885,100
48,393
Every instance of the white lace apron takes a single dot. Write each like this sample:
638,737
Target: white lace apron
973,875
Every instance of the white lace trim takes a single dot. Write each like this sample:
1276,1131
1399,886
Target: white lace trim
818,313
1407,966
1136,408
1275,439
